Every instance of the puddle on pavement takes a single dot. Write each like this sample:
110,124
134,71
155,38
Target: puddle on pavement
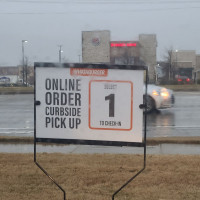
185,149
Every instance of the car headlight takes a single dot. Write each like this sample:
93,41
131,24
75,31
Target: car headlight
164,93
156,93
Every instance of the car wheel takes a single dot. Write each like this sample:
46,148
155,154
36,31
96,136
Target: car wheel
150,104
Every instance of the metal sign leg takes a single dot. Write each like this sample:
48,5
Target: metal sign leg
113,196
46,173
145,130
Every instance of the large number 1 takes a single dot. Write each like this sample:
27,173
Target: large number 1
111,99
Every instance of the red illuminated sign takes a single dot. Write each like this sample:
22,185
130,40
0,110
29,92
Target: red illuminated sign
123,44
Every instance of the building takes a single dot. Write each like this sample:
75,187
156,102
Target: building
184,63
181,65
125,52
97,47
9,75
197,69
13,75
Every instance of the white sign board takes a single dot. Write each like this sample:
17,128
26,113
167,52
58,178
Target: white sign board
89,104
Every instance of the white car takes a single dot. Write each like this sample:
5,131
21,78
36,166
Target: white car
158,98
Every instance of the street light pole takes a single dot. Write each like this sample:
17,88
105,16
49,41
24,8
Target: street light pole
60,52
176,60
23,67
170,52
26,66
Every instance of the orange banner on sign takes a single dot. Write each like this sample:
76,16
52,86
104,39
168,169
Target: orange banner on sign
88,72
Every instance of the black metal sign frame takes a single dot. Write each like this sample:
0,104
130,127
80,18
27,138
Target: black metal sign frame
92,142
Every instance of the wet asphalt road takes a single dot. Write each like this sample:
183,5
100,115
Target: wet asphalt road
17,116
181,120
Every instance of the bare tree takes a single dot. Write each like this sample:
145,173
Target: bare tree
25,71
65,60
168,59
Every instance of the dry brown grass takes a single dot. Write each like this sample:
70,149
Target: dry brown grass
96,177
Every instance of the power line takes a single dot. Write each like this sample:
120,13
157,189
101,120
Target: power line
93,12
105,1
152,3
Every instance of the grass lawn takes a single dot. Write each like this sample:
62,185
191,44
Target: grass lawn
96,177
16,90
183,88
30,90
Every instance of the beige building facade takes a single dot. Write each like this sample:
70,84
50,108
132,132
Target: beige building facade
184,62
96,46
148,44
197,70
198,62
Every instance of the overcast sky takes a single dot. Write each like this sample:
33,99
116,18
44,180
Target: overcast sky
49,23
